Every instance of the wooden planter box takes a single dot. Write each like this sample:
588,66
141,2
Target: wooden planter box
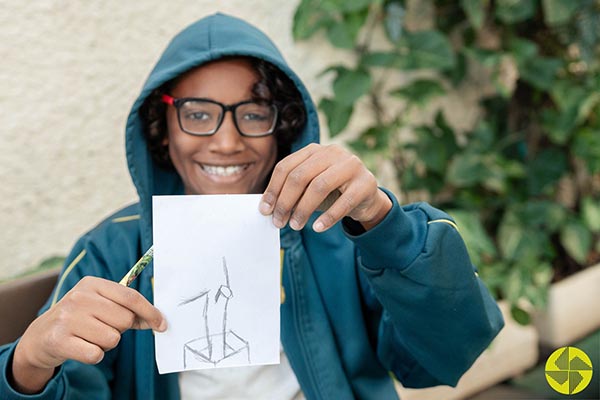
514,350
572,311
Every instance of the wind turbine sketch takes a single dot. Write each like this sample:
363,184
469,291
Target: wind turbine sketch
217,342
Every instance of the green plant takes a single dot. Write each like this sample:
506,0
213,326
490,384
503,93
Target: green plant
523,182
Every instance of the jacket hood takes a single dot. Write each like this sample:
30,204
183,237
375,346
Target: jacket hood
208,39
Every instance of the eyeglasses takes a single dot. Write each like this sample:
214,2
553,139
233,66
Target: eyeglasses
203,117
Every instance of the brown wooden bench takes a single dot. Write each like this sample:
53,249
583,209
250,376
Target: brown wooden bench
21,299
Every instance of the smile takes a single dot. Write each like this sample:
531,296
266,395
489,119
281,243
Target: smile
224,170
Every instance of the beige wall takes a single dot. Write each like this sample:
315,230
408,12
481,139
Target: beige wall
69,71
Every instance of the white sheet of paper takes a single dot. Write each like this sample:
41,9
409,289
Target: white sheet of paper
217,281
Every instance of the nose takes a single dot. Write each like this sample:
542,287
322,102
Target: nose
227,139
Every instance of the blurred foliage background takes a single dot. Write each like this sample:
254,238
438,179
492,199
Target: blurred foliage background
523,182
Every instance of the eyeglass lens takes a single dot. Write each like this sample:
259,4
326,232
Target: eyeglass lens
202,117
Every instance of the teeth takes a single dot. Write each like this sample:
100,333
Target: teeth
224,171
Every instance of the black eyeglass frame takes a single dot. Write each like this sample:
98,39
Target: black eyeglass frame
178,102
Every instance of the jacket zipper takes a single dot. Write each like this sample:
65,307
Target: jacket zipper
301,343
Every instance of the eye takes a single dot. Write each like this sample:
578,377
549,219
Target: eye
253,116
198,116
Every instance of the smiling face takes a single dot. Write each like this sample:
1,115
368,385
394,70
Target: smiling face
225,162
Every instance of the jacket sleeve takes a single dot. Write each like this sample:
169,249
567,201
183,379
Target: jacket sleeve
72,380
434,315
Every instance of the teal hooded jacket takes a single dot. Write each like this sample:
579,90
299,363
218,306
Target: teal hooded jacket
402,298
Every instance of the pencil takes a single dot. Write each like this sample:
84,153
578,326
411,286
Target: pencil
138,267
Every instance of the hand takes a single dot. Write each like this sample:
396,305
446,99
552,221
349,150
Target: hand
303,181
85,323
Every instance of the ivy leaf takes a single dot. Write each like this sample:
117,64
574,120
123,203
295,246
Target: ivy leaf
344,32
426,49
347,5
337,114
590,212
545,170
522,50
586,146
475,10
559,125
521,316
558,12
379,59
308,19
350,85
393,21
513,11
374,139
466,170
487,58
540,72
577,240
419,92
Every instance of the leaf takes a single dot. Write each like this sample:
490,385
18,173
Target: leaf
545,170
458,73
347,5
475,10
587,106
344,32
466,170
487,58
520,315
424,50
522,50
393,21
543,215
577,240
590,213
557,12
586,146
350,85
379,59
375,138
337,114
540,72
308,19
520,242
559,125
419,92
513,11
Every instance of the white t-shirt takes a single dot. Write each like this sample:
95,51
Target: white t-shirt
276,382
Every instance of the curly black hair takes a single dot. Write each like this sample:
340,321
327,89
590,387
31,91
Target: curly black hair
273,87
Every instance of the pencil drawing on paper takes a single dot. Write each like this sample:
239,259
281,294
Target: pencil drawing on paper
217,342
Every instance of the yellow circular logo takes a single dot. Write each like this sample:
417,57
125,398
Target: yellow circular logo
568,370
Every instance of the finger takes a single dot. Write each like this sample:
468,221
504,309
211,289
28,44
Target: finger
99,307
115,315
97,333
348,201
280,174
297,182
318,193
82,351
147,316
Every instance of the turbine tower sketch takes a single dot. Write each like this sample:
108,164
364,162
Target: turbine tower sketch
217,342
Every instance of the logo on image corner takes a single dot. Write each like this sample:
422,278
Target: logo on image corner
568,370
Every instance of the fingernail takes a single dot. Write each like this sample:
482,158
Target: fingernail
295,224
277,221
264,207
318,226
163,326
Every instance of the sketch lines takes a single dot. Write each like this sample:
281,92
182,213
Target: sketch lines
217,342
